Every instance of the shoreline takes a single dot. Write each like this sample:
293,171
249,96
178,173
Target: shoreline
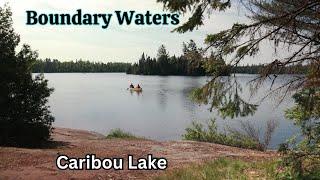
23,163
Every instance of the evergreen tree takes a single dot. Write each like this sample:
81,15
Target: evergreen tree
163,60
194,57
25,118
288,24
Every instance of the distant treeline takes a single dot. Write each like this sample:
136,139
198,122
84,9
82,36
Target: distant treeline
181,66
192,63
55,66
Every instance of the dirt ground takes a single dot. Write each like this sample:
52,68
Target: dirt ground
21,163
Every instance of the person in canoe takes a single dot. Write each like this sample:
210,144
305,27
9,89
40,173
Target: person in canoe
138,86
131,86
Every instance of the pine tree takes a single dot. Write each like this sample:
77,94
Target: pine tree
163,60
25,119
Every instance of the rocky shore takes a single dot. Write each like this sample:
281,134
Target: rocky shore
22,163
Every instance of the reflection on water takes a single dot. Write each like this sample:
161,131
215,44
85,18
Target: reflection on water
138,93
101,102
162,93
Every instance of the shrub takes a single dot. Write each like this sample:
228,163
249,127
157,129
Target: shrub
247,137
302,156
118,133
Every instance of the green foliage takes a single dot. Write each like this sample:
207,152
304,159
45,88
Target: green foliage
306,114
298,166
225,41
190,63
25,119
197,7
162,52
225,168
194,21
216,66
118,133
195,59
163,61
55,66
303,159
197,132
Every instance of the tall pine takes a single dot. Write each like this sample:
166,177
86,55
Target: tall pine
25,119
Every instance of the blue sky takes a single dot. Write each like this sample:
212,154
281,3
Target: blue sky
117,43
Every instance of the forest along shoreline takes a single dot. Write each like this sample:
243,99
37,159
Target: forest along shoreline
40,162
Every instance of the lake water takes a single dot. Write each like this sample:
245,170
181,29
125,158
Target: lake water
101,102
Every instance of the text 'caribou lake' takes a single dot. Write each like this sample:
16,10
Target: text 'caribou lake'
91,162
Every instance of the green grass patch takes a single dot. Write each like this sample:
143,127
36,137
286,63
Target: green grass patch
121,134
224,168
197,132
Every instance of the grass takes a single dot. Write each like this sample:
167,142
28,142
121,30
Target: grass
197,132
121,134
224,168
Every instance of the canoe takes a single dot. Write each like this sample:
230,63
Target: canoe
136,89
